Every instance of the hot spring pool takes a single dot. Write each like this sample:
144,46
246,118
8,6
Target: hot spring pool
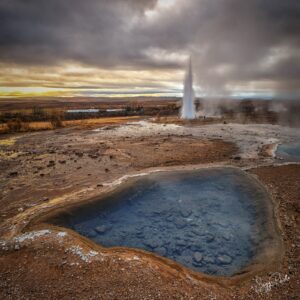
289,151
210,220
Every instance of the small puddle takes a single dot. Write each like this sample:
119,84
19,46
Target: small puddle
210,220
289,152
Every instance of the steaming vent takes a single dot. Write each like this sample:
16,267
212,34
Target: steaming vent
188,111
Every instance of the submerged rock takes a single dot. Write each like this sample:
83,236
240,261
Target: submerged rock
224,259
153,243
209,238
102,229
180,223
92,233
185,213
209,259
198,257
161,251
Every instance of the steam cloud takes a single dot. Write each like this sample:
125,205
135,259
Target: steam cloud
235,44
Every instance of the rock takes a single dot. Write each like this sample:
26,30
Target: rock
92,233
180,223
180,243
236,157
153,243
226,236
209,238
198,257
209,259
13,174
224,259
185,213
62,161
161,251
102,229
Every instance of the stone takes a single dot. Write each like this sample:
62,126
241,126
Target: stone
197,257
226,236
236,157
92,233
209,259
224,259
180,223
185,213
209,238
161,251
180,242
13,174
153,243
51,163
102,229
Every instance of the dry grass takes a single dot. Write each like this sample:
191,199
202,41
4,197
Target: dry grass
100,121
47,125
7,142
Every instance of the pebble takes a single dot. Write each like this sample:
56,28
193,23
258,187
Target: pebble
224,259
161,251
180,223
102,229
197,257
154,243
209,259
209,238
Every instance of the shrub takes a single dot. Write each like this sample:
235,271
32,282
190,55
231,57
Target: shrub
56,121
14,125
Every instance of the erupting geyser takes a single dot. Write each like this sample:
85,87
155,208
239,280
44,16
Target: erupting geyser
188,106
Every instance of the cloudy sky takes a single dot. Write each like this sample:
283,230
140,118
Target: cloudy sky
141,47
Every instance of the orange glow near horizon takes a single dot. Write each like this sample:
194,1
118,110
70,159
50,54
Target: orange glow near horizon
77,80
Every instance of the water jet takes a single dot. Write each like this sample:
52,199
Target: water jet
188,111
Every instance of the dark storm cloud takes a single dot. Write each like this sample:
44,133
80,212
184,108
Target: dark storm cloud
90,31
231,41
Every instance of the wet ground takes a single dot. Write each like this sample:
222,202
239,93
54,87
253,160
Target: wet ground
44,170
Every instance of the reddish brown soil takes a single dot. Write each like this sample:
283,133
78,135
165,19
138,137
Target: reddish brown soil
45,269
51,164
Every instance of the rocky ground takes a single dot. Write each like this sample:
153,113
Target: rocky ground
42,170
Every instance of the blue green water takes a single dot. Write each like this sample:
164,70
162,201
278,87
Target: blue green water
209,220
289,151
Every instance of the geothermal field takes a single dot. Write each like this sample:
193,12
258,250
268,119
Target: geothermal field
151,206
149,150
